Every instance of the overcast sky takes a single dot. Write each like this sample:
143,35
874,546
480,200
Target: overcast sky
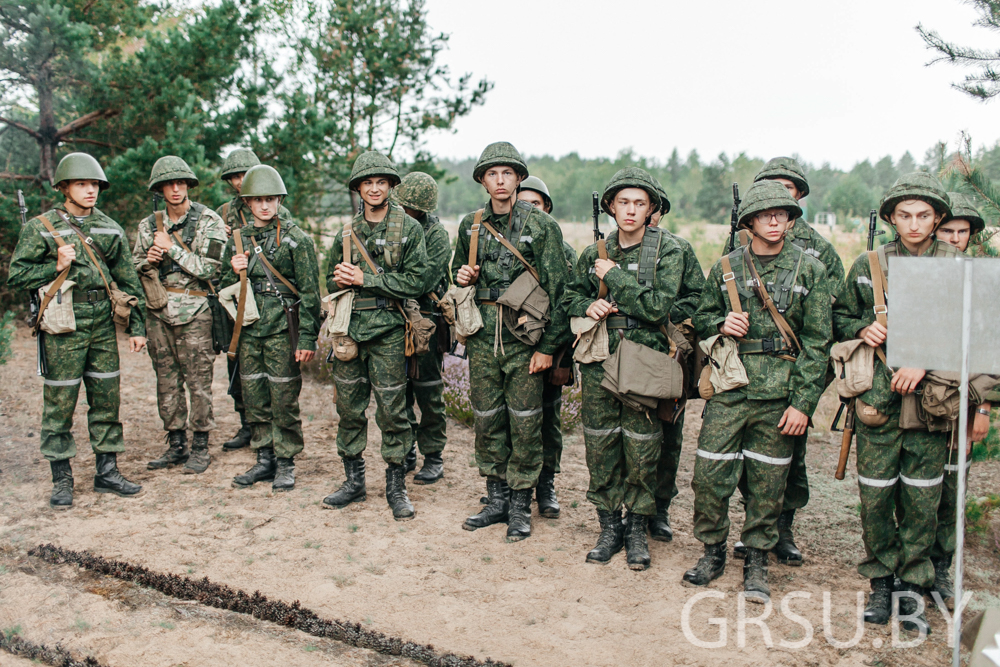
835,81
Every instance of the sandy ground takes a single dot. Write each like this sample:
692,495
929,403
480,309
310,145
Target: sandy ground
534,602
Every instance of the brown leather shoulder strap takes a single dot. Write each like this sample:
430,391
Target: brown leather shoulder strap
158,215
507,244
602,253
225,210
87,243
60,279
363,251
269,266
474,241
879,284
729,280
783,327
346,251
241,302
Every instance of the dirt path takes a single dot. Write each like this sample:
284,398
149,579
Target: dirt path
530,603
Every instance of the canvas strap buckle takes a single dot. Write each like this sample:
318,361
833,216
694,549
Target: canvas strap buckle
728,277
89,240
257,249
880,310
767,345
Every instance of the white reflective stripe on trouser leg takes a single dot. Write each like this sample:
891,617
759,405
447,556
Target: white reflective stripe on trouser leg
62,383
524,413
275,378
643,436
340,380
953,467
102,376
601,432
396,387
921,482
766,459
877,483
486,413
253,376
719,457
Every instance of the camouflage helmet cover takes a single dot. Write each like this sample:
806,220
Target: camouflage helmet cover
763,195
373,163
262,181
418,191
787,168
171,168
496,154
964,208
916,185
630,177
80,167
664,202
536,184
237,162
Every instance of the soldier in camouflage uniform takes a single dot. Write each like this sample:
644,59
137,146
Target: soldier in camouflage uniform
534,191
235,214
270,350
643,274
395,244
88,355
886,454
507,375
184,255
685,305
785,357
417,194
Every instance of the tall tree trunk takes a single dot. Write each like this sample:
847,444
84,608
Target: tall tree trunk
47,140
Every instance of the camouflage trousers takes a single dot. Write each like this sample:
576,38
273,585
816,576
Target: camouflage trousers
739,433
670,460
427,391
552,440
507,407
944,542
89,356
899,474
272,381
235,386
380,365
183,355
623,449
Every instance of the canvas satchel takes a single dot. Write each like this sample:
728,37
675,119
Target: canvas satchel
872,416
726,370
422,328
643,371
468,319
58,317
338,306
525,309
229,298
853,367
592,344
156,294
610,384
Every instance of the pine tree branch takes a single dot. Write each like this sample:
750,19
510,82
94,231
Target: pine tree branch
7,176
85,121
23,128
94,142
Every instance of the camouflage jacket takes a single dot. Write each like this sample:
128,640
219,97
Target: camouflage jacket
854,310
801,381
438,247
692,283
33,264
294,256
649,303
230,213
181,269
541,244
404,281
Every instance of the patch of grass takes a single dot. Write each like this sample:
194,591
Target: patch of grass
574,504
190,570
989,448
247,524
248,560
977,513
311,545
375,568
166,625
3,569
81,625
342,581
541,559
458,570
350,558
12,631
531,621
487,558
353,527
368,620
310,648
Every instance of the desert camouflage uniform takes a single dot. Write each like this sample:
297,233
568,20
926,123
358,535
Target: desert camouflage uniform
506,399
623,445
552,437
89,354
180,334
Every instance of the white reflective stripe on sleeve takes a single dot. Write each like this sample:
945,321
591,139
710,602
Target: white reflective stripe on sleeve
591,270
811,251
601,432
468,232
432,383
65,232
395,387
877,483
865,280
487,413
799,289
526,239
642,436
718,457
253,376
633,267
105,230
275,378
926,483
379,241
524,413
345,381
766,459
62,383
404,239
290,242
102,376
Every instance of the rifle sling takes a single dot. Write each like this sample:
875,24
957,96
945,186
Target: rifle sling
374,266
87,242
241,303
602,252
879,283
507,244
474,241
57,283
729,280
180,241
758,287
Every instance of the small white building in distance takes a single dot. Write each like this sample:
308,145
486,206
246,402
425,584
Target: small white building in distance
828,218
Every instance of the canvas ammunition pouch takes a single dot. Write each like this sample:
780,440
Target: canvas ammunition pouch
468,319
696,361
853,367
524,307
445,327
936,405
639,375
156,295
422,329
591,344
725,370
339,306
58,317
229,299
872,416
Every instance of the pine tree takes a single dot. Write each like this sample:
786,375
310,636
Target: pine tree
984,82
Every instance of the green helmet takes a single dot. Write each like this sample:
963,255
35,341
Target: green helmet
237,162
917,185
664,202
630,177
80,167
171,168
373,163
262,181
536,184
785,167
418,191
499,153
763,195
963,207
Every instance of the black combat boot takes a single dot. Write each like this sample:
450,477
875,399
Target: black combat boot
62,485
353,490
659,523
284,475
636,547
709,567
199,459
519,521
431,471
545,494
755,576
242,437
942,581
785,550
410,460
109,480
497,506
739,550
176,453
395,493
911,598
879,607
262,471
611,539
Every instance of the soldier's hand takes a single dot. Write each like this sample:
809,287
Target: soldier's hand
905,380
736,325
229,230
65,257
980,425
467,275
154,255
560,376
600,309
602,266
162,241
874,334
793,422
136,343
304,356
346,274
239,262
539,362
